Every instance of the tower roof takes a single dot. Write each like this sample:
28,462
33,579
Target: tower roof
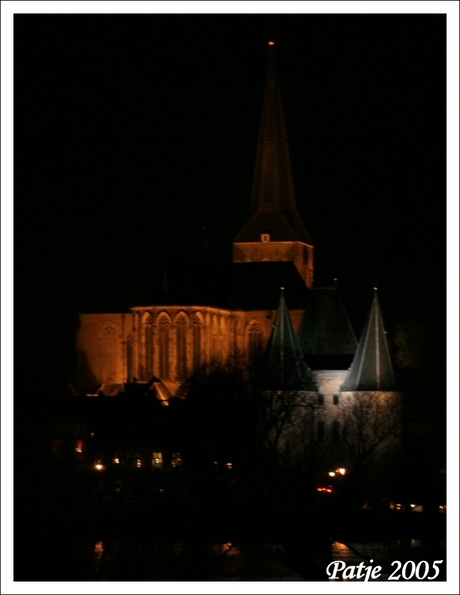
286,366
371,369
273,204
326,335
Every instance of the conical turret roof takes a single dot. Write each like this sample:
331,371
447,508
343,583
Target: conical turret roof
371,369
286,366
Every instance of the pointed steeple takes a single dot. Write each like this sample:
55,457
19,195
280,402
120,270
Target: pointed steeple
273,213
371,369
286,367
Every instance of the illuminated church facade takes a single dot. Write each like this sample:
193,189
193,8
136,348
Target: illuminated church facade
169,343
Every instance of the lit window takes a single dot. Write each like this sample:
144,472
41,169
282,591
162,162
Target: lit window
265,237
336,399
139,463
176,460
157,460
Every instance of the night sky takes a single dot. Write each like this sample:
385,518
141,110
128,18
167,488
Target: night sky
135,142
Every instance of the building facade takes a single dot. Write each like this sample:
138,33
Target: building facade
307,330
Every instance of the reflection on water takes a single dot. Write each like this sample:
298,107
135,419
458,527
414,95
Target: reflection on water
384,553
98,554
177,561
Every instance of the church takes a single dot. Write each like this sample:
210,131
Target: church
273,308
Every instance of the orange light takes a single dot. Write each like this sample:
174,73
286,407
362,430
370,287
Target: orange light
99,466
271,43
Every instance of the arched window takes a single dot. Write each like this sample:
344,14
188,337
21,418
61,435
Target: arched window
196,343
214,338
164,327
181,345
146,350
254,340
130,358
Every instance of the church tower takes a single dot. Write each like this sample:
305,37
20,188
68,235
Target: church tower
274,231
372,369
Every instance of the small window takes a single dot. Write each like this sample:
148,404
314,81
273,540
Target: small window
336,399
320,399
157,460
336,431
265,237
176,460
320,431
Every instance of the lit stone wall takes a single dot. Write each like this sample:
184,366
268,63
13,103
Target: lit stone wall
298,253
170,342
101,349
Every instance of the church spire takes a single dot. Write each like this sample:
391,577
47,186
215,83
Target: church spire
371,369
286,366
272,186
274,231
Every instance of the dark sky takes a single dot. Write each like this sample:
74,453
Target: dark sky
134,132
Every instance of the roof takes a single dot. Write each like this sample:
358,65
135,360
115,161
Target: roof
273,204
372,369
286,367
326,335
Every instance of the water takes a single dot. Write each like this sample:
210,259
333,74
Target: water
386,554
178,561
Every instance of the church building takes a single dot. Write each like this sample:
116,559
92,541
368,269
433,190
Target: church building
304,330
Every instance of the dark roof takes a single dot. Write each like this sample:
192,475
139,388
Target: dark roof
286,368
326,335
371,369
256,286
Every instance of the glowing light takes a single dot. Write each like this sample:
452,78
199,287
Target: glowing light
271,43
138,463
116,461
176,460
332,473
157,460
229,465
413,505
327,490
79,446
99,466
342,471
442,508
